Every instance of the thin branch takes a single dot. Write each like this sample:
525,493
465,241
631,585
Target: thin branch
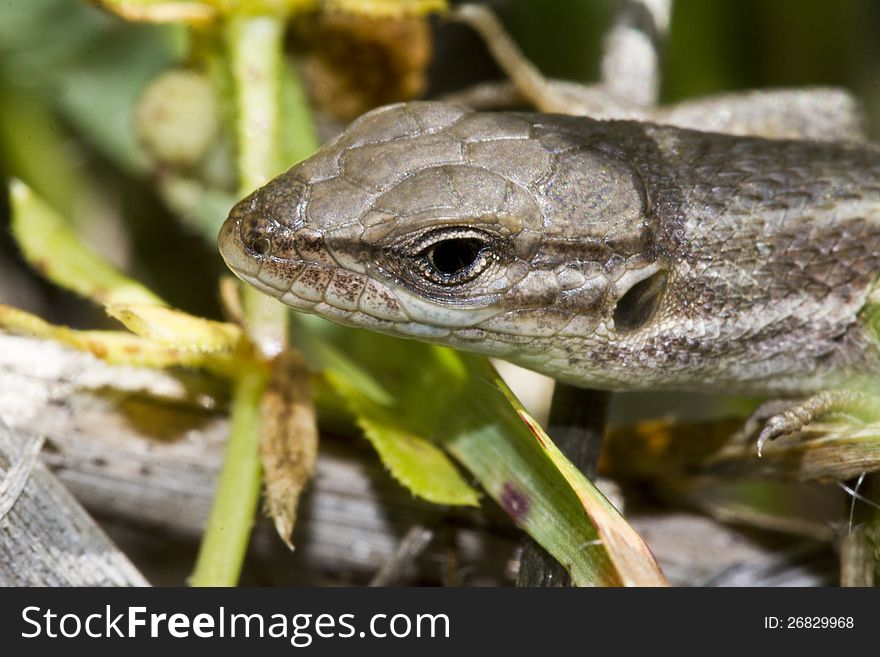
12,485
46,538
412,545
631,54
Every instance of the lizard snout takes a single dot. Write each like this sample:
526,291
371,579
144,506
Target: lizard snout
232,248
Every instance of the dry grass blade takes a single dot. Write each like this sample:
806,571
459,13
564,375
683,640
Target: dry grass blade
165,337
117,347
161,11
413,544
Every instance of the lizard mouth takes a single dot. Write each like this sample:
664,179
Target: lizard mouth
308,286
233,251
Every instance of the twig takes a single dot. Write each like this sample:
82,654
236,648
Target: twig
631,58
46,538
412,545
526,77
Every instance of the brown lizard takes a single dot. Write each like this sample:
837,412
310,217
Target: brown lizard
613,254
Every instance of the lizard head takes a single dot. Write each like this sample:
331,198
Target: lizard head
497,233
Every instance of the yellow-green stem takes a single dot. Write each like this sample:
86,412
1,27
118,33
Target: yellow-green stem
255,50
238,489
255,46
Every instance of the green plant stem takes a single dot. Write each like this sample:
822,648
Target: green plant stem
255,45
255,50
238,489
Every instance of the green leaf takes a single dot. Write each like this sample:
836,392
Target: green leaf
417,464
631,556
458,403
51,247
33,148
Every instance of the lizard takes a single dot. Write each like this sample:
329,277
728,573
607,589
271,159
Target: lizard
614,254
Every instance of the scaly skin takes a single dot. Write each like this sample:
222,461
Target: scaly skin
610,254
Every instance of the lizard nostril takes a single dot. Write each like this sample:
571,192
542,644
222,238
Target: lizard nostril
256,234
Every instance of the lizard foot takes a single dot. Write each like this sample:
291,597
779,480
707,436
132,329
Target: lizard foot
852,404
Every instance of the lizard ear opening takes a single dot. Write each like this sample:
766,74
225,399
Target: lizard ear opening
636,308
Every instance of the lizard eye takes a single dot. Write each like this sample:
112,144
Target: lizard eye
453,256
455,260
640,303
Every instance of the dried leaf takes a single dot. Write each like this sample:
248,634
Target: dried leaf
288,440
173,328
353,63
117,347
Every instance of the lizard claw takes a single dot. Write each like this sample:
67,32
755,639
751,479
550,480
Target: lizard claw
776,426
851,403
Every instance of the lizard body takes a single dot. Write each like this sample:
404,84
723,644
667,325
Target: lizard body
610,254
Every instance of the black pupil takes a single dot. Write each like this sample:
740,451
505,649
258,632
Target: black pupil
453,256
